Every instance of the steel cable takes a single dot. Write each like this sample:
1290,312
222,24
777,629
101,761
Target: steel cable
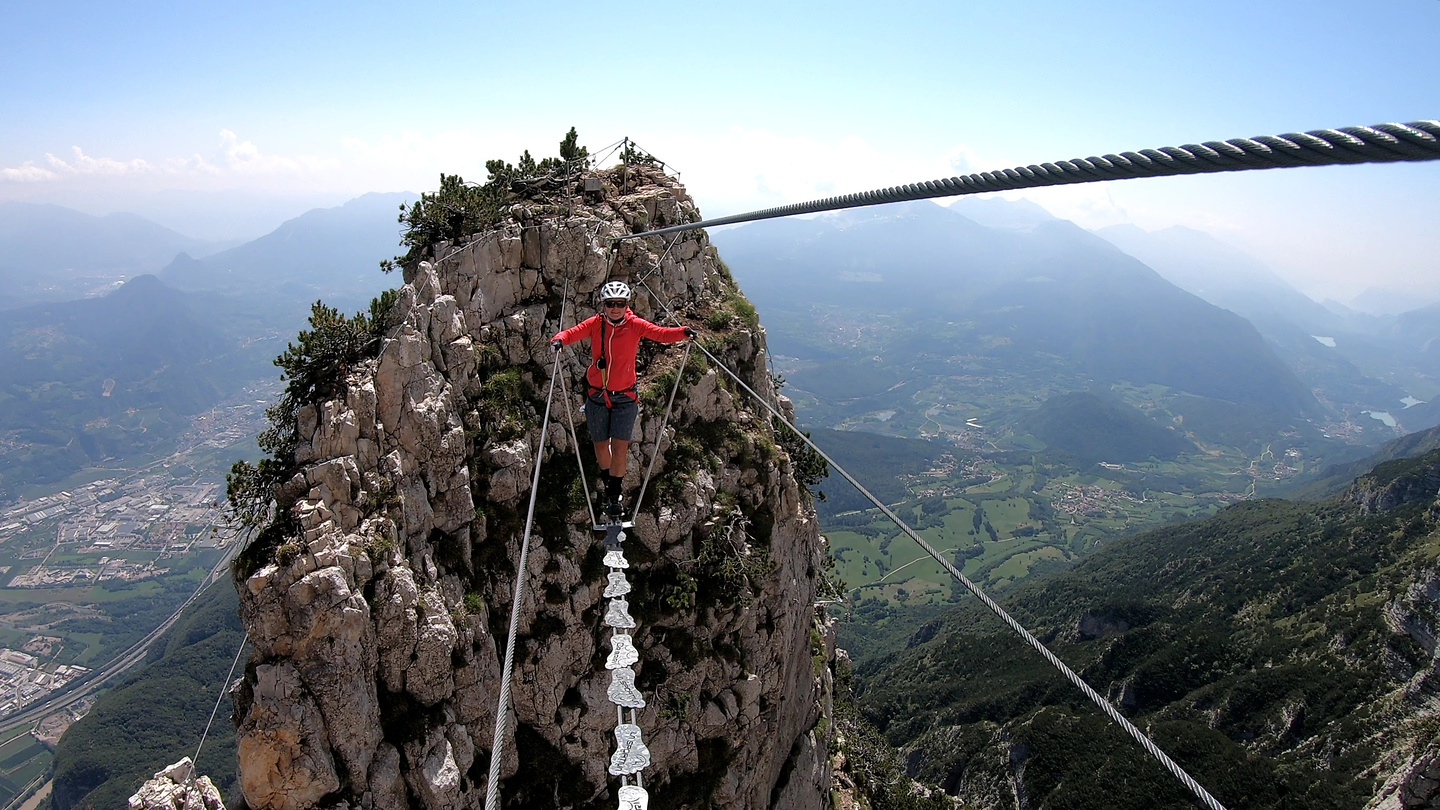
1382,143
224,687
1104,705
502,709
570,413
659,437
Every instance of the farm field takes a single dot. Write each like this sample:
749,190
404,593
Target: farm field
1025,513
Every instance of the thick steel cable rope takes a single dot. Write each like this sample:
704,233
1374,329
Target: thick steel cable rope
1382,143
659,437
492,791
1114,714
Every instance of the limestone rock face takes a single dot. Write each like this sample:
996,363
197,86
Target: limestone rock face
177,788
379,620
1413,761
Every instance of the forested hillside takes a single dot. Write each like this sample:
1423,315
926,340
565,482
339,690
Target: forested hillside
156,714
115,376
1091,429
1275,650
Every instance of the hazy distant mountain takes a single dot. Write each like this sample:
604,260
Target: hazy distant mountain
1056,291
1419,331
1388,301
81,381
1223,275
49,252
997,212
329,253
1329,350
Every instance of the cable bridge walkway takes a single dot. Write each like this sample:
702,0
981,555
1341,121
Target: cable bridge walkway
1381,143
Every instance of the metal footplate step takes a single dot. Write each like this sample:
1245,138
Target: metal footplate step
622,690
622,652
617,615
631,756
616,585
634,797
615,534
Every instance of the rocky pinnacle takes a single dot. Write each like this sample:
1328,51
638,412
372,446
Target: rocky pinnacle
379,623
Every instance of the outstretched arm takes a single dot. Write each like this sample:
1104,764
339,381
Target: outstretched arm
664,334
579,331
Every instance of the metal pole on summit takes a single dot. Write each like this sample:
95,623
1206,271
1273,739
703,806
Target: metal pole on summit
1381,143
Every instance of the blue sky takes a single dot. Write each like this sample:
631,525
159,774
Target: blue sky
224,119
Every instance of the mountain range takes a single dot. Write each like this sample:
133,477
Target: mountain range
121,373
1053,291
330,253
117,375
53,253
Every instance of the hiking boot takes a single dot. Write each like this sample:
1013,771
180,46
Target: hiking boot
614,510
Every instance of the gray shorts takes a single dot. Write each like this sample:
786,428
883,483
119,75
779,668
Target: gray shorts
614,422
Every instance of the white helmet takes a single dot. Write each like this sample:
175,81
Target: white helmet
615,290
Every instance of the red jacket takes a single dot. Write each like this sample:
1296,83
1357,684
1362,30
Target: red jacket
618,347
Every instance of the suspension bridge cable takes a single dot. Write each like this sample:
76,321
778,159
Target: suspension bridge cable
658,262
995,608
1104,705
502,709
1382,143
655,453
195,763
579,461
570,413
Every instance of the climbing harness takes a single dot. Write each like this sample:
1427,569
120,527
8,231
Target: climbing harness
1104,705
1382,143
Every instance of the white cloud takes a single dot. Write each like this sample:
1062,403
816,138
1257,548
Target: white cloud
82,163
26,172
788,169
962,161
245,158
235,163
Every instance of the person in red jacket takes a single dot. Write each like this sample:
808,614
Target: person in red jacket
613,403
